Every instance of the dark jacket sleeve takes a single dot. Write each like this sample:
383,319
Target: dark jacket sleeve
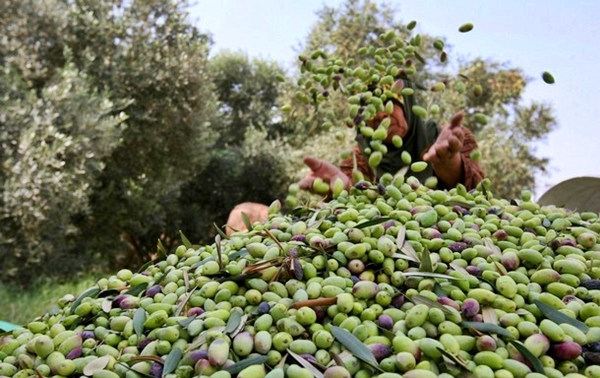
362,164
472,171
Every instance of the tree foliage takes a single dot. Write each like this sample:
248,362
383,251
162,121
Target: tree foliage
142,59
54,145
247,91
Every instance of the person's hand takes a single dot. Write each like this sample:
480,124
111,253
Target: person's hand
448,144
324,170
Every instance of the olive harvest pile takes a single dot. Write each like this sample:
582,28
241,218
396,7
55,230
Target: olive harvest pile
387,280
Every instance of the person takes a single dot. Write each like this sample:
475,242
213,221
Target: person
256,212
446,148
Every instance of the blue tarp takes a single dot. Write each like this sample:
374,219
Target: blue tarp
8,327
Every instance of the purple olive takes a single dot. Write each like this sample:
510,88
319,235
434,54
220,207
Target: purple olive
129,302
500,235
397,301
568,350
486,342
448,302
75,353
156,370
510,260
192,357
470,307
263,308
473,270
388,224
118,299
458,246
385,321
195,311
460,210
299,238
87,335
310,358
153,290
321,313
380,351
144,342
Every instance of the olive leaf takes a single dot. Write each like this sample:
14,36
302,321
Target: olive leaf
156,359
240,253
201,339
409,250
501,269
186,280
535,362
234,320
459,269
202,262
307,365
311,221
558,317
96,365
431,275
403,257
373,222
106,305
218,245
241,365
354,345
455,359
186,322
91,292
401,237
282,363
426,265
246,221
437,289
126,366
421,299
489,315
172,361
160,247
137,289
488,328
108,293
139,317
336,359
223,235
184,301
240,326
456,201
489,243
185,240
150,263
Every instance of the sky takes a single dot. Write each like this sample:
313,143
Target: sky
538,35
